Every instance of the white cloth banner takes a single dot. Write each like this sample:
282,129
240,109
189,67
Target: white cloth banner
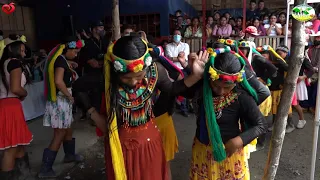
34,104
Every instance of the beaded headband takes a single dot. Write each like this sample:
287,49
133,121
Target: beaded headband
76,44
263,48
125,66
244,44
229,42
270,49
216,74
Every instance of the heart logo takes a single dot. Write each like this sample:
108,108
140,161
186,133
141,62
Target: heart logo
8,8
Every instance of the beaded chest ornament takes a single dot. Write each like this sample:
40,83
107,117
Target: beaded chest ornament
214,74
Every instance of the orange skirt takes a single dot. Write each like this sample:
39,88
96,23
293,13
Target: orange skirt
143,153
13,127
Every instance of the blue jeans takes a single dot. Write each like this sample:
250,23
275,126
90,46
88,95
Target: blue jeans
184,106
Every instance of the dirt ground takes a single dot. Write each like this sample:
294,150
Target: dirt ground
294,164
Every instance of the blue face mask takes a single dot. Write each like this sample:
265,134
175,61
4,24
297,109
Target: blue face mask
266,21
177,38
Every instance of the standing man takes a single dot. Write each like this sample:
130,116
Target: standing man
178,52
96,47
262,10
252,11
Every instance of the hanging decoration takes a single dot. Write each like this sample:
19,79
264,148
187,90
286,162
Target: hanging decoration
8,8
303,12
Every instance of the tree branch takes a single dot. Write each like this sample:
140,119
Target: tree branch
296,59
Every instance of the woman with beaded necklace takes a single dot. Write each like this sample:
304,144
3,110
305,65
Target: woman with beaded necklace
134,149
223,99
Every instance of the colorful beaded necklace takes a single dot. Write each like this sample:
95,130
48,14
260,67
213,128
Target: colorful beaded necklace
137,104
224,101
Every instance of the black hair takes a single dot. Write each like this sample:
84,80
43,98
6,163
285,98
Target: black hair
272,57
223,17
273,14
195,18
12,50
178,11
261,1
283,13
129,48
126,26
224,14
1,33
240,18
209,17
179,17
253,1
227,62
232,19
216,45
216,12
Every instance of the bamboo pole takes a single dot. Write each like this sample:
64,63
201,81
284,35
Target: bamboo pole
296,59
116,34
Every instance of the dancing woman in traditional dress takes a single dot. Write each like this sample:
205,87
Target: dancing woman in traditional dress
134,148
264,71
224,101
301,93
277,82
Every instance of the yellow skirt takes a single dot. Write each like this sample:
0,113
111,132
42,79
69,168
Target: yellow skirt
266,106
168,134
276,96
203,166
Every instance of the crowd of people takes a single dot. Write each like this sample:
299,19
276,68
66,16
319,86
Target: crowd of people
225,25
129,88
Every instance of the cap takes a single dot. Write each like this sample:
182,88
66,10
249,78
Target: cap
97,23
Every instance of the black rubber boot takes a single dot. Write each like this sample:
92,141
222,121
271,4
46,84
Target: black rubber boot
8,175
23,166
48,159
69,148
261,142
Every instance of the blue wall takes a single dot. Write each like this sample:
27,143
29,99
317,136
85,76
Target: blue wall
49,14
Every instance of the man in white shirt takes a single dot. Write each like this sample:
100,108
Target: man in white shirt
178,51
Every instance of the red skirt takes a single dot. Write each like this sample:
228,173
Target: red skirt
13,127
143,153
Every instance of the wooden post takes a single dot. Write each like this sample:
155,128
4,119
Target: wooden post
244,14
115,21
296,59
204,27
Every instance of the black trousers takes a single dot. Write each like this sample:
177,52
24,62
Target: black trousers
92,84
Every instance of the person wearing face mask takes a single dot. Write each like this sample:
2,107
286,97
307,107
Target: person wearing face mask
93,54
178,53
126,30
251,32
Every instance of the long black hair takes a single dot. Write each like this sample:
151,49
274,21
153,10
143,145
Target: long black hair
129,48
13,50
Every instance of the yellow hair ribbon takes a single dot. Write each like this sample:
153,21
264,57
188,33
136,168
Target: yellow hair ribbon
114,140
52,87
276,54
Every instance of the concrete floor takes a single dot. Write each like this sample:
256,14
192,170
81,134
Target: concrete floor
294,163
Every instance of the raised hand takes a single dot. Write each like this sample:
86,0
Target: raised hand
199,63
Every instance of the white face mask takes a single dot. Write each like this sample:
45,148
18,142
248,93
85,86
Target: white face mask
1,38
251,39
